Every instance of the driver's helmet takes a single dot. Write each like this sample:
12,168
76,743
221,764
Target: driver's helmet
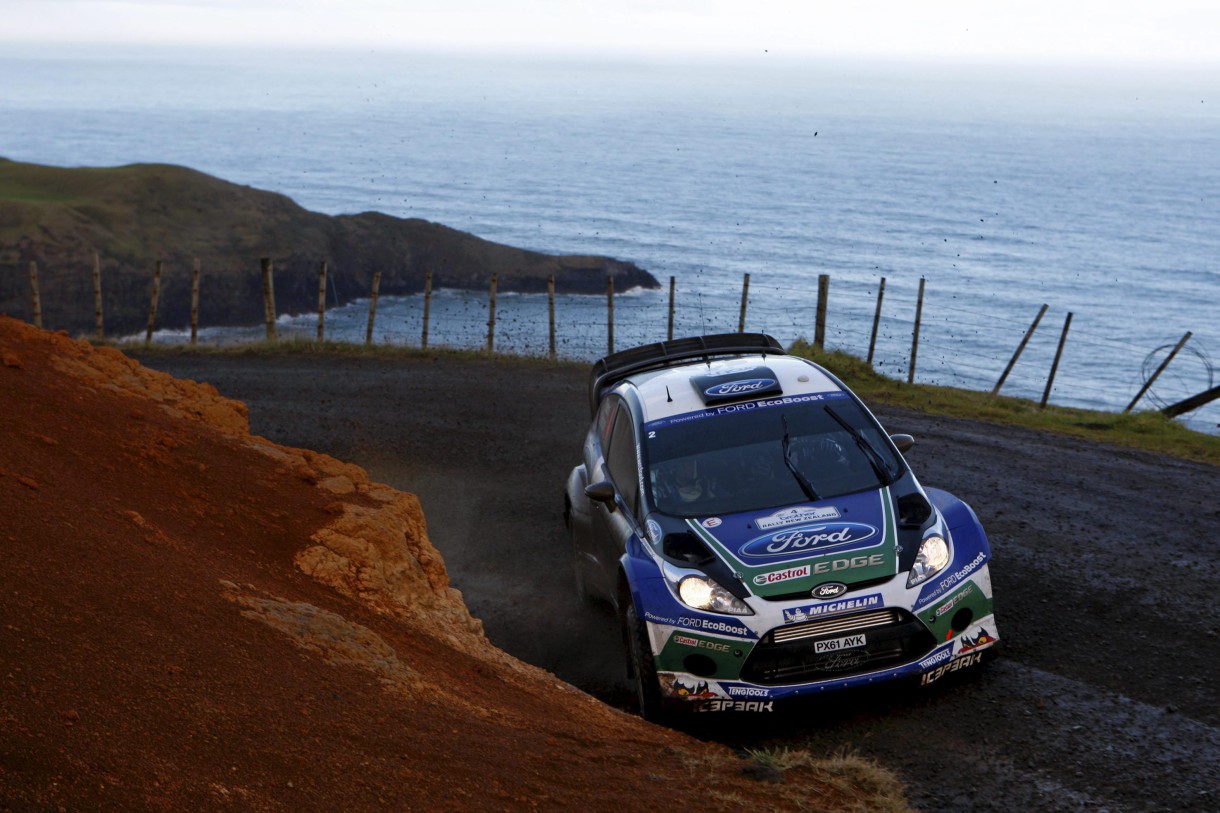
683,480
822,452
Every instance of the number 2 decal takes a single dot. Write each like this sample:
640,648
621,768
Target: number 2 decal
652,433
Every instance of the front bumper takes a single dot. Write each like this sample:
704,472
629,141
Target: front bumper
789,650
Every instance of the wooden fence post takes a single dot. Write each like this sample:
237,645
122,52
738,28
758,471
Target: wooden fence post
872,341
97,295
491,318
915,337
322,301
423,342
195,302
1159,370
1192,403
1020,349
152,307
745,295
1050,381
268,297
610,314
819,329
671,309
368,336
550,305
36,298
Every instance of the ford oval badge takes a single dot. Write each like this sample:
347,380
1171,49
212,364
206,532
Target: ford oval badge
746,387
829,590
813,540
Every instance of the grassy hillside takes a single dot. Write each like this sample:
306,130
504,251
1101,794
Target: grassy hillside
133,216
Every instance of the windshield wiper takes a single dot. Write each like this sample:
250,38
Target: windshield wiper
870,452
801,479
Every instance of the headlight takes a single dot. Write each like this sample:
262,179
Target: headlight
932,558
703,593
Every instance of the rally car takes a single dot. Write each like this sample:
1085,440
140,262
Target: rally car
761,536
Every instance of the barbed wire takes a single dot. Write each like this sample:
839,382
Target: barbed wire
1152,362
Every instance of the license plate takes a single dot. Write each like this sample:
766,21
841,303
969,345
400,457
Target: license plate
836,644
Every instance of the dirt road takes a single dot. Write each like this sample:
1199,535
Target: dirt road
1105,572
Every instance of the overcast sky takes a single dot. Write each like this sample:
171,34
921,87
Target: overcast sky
1004,30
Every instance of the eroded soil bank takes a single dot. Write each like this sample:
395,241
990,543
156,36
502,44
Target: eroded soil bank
196,618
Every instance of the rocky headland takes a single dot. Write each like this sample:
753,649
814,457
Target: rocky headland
130,217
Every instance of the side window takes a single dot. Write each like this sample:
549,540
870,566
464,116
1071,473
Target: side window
621,459
605,419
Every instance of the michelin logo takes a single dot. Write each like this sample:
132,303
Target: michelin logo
832,608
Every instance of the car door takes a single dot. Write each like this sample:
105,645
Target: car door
614,523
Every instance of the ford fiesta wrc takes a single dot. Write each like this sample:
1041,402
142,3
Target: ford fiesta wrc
761,536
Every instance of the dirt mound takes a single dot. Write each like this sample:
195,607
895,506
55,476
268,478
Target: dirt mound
195,618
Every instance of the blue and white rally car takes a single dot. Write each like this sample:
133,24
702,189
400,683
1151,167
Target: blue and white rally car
761,536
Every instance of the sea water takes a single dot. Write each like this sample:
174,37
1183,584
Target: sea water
1095,191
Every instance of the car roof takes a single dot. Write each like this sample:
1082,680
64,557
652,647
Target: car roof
608,371
683,388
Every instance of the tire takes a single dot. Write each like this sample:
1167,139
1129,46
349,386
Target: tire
642,670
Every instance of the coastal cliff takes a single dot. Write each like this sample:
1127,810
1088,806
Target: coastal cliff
135,215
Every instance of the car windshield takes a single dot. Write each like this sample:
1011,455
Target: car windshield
752,457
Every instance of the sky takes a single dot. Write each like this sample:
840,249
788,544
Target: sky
1125,31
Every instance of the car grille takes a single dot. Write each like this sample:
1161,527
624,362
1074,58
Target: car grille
845,625
788,654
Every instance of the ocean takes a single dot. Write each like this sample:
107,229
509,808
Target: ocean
1095,191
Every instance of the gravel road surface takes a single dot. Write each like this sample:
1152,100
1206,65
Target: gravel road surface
1106,577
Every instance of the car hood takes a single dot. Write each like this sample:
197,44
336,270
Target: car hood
790,550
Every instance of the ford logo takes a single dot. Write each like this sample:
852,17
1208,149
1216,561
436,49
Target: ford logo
841,661
829,590
744,387
812,540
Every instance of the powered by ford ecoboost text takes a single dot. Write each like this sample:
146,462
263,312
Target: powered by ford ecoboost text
761,536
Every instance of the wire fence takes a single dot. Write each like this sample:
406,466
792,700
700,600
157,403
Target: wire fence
952,342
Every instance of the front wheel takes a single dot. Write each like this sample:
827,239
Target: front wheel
641,667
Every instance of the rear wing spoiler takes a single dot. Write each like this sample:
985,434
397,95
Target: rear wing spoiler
613,368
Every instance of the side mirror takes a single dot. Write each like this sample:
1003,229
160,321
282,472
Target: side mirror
903,442
602,492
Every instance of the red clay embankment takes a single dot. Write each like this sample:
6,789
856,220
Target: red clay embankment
195,618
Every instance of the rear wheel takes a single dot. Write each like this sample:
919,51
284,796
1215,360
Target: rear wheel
642,670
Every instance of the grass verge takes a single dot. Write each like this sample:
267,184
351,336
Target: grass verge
842,782
1146,430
